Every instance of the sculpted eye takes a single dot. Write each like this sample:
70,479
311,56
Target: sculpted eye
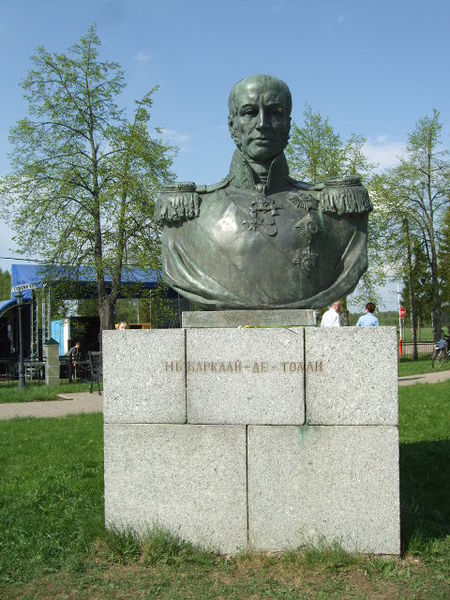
277,110
252,112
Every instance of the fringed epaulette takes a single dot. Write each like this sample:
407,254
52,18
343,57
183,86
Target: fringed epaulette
177,202
345,196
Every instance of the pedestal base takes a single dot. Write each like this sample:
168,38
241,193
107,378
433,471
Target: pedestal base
262,439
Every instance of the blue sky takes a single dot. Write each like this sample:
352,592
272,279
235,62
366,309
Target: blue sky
373,67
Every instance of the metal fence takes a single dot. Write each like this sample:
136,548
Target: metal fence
423,349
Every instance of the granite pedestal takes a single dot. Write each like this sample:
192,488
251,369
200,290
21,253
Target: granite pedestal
254,438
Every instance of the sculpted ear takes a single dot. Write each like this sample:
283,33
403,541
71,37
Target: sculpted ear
233,131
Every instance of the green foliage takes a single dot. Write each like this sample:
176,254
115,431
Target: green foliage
316,152
5,285
444,259
84,176
418,277
409,203
156,308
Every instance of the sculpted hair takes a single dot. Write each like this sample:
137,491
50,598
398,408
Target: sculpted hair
263,80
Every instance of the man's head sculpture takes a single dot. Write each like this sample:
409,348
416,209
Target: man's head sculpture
259,117
259,239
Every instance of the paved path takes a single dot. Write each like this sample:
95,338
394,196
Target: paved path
84,402
69,404
435,377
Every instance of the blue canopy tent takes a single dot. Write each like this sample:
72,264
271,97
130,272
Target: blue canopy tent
79,283
26,278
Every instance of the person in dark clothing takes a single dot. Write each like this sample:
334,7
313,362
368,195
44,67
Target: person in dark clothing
74,356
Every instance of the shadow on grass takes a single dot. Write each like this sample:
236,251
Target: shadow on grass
424,493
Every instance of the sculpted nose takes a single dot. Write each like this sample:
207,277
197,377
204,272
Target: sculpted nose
262,119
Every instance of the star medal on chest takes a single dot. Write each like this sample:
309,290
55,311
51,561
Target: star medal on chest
262,213
309,226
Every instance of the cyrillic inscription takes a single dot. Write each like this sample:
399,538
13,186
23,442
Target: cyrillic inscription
239,366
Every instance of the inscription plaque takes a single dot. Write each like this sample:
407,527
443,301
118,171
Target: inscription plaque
240,366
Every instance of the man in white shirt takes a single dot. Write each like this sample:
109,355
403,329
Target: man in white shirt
332,318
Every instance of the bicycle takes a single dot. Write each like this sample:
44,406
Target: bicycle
442,355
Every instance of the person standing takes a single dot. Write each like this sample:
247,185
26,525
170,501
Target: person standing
332,317
74,357
369,319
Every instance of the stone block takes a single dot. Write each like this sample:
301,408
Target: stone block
250,318
241,376
358,383
324,483
188,479
144,376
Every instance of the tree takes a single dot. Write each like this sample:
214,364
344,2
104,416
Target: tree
316,152
84,176
412,198
444,262
5,285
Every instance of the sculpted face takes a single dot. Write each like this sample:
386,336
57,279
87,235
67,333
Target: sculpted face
259,118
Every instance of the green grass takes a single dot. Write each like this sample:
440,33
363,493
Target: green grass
33,392
408,366
53,543
51,506
424,419
425,334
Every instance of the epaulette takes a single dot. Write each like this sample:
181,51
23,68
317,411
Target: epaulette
207,189
177,202
344,196
179,186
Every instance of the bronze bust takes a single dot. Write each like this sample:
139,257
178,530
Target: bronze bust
259,239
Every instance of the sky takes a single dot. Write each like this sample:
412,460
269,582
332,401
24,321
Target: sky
373,67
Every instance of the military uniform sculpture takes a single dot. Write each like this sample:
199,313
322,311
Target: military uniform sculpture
259,239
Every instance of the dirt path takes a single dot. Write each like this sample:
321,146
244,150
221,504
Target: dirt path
69,404
435,377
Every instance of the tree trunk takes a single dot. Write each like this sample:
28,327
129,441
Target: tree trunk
412,307
345,315
106,313
436,310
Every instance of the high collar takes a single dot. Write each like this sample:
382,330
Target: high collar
243,176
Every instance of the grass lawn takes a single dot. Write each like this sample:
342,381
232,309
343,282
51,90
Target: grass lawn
425,334
9,392
53,543
408,366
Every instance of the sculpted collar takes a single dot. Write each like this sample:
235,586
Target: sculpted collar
243,176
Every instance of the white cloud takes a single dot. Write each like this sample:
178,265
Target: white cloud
176,137
142,56
384,151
